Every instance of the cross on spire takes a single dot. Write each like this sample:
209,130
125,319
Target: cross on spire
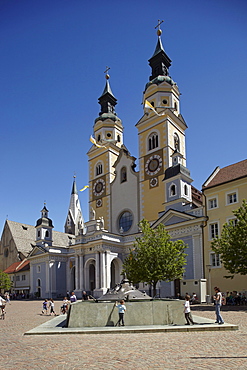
106,72
159,23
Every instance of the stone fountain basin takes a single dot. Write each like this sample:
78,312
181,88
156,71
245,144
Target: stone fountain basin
138,313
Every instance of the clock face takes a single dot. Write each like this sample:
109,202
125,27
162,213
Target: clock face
99,187
153,165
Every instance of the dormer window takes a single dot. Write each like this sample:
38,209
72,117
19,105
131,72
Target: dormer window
153,141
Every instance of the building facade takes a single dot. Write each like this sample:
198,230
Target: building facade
224,192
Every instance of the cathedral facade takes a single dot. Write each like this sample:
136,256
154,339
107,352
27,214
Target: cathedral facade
89,256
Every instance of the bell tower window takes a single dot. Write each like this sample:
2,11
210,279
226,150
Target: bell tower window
153,141
47,234
99,169
172,190
176,142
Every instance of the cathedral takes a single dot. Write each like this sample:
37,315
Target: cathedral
89,255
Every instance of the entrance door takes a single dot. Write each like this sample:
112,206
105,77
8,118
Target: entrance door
91,277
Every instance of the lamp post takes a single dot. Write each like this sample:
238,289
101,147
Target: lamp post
209,280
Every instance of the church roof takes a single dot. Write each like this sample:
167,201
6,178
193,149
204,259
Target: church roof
226,174
24,237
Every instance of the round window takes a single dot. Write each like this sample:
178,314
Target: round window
125,221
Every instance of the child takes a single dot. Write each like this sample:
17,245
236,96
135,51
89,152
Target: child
64,307
121,310
52,307
45,306
187,312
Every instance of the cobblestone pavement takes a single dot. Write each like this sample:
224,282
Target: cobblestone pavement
192,350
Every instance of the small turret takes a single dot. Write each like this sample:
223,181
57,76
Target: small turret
44,228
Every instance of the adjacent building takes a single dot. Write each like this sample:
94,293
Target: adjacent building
224,192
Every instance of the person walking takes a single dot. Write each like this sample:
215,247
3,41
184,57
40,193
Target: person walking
121,310
218,303
73,297
52,309
2,307
45,307
187,312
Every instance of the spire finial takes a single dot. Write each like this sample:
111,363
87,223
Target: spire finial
107,76
159,32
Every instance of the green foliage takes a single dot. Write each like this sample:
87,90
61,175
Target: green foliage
232,244
5,281
155,257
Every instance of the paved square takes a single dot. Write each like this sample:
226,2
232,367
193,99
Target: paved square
173,350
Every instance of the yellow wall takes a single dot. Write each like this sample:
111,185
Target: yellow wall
215,275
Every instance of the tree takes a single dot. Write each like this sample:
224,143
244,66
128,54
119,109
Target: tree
232,244
155,257
5,281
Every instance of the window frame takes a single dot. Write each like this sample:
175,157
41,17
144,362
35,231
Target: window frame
231,193
151,141
215,197
215,260
98,169
210,233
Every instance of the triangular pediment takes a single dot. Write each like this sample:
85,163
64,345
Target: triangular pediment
171,217
37,250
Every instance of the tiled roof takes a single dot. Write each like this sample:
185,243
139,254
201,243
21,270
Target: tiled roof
24,236
17,267
226,174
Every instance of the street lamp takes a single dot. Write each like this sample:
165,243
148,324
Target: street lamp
209,280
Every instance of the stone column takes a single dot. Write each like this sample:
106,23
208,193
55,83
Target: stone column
47,280
81,275
31,279
68,282
76,272
108,269
102,270
97,270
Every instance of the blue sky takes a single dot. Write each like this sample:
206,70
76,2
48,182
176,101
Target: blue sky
53,55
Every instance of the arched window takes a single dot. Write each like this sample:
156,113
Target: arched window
153,141
38,233
185,189
176,141
123,174
172,190
175,106
99,169
47,234
99,137
118,138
